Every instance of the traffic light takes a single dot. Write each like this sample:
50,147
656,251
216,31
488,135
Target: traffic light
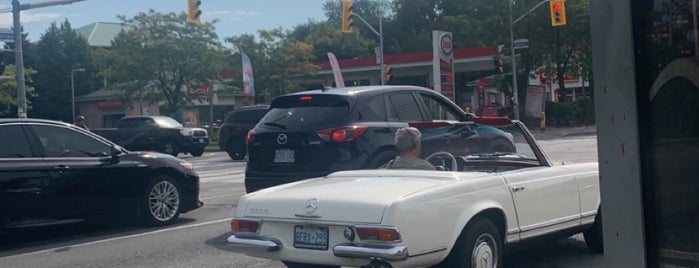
347,6
193,11
386,73
497,62
558,12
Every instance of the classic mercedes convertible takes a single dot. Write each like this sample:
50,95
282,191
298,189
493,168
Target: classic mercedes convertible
485,199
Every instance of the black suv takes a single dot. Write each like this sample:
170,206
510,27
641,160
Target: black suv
313,133
235,128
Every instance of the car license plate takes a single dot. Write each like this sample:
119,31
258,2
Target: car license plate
201,140
311,237
284,156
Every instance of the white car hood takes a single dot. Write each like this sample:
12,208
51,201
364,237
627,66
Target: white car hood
350,196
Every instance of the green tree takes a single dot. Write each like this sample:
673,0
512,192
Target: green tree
8,91
59,50
327,37
162,54
276,61
28,50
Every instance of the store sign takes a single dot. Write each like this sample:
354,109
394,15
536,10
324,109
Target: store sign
443,63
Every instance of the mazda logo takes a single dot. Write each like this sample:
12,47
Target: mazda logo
311,206
282,139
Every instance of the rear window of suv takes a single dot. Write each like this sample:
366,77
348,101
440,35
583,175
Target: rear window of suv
304,111
251,116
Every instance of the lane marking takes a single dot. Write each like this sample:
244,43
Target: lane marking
63,248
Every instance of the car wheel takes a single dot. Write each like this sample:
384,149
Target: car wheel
593,235
381,159
479,246
170,147
161,202
304,265
198,152
236,149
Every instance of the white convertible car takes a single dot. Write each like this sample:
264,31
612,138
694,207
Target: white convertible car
488,197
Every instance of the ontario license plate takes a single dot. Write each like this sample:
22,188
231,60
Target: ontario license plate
284,156
311,237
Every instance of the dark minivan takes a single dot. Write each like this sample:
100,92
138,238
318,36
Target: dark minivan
235,128
313,133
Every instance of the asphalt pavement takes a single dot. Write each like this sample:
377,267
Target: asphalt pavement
552,132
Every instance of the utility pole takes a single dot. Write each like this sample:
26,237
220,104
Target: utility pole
515,99
19,58
380,35
19,62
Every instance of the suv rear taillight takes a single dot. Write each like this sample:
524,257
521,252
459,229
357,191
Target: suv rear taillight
250,136
343,134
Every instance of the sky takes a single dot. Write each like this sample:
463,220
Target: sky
235,16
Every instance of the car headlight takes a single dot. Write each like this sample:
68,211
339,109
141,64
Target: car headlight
187,165
186,132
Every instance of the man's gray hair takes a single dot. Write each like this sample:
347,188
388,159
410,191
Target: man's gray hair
407,138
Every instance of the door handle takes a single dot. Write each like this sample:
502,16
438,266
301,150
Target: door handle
61,169
517,189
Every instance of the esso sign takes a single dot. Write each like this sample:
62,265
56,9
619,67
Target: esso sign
447,44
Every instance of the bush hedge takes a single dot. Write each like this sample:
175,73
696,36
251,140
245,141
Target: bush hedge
580,112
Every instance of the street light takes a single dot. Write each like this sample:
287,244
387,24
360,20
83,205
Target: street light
72,87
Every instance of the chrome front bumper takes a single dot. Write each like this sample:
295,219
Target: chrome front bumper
255,244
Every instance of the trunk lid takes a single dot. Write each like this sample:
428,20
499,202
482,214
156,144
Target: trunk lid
351,196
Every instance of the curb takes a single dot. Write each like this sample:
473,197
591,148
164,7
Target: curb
578,133
212,149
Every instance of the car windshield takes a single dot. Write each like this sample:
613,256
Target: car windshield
478,142
298,112
167,122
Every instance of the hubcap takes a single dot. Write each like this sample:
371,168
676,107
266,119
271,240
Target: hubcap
164,201
485,252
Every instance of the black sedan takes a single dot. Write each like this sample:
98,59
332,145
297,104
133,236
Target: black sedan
56,173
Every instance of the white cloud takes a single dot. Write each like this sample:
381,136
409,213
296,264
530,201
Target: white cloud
6,18
35,17
234,15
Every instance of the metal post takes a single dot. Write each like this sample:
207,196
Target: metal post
72,92
19,58
515,98
19,62
383,71
380,35
72,87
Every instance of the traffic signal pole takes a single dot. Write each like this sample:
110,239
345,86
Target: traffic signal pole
19,57
380,35
515,99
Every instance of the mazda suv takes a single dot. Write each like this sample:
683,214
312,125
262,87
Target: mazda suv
313,133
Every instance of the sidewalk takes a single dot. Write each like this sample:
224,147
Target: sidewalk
557,132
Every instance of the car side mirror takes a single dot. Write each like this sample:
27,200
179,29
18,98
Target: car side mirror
113,157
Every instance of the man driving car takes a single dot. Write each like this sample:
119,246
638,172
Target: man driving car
408,143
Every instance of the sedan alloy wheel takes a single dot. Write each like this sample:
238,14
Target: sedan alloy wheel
162,202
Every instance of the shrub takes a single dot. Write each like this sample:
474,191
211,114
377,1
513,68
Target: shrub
570,113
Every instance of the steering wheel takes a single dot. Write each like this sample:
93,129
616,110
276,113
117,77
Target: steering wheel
443,154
